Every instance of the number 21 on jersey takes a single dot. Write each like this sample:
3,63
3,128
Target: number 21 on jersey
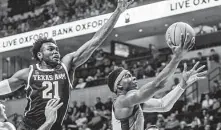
50,86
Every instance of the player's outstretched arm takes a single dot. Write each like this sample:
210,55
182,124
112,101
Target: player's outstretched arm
77,58
51,113
179,52
148,90
14,83
8,126
166,103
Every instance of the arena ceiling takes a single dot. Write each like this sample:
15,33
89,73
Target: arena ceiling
155,27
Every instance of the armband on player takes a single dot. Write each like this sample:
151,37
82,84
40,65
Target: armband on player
5,87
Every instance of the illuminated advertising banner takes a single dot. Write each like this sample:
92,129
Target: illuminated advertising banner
131,16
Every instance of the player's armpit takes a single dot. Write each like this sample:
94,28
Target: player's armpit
67,60
14,83
135,97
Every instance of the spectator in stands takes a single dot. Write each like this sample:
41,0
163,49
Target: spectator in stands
160,121
216,87
207,103
99,57
83,107
218,127
202,59
214,56
99,74
124,64
149,71
90,78
96,122
113,65
216,104
81,84
70,111
108,104
82,119
106,71
219,27
106,61
99,105
183,126
153,51
207,127
173,123
68,121
75,109
135,70
196,123
176,81
84,127
90,113
140,73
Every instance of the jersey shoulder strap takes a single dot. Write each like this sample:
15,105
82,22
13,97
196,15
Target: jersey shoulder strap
66,71
29,76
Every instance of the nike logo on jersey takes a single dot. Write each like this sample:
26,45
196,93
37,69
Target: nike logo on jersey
49,77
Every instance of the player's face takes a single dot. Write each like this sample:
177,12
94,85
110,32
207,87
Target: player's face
50,53
2,111
131,82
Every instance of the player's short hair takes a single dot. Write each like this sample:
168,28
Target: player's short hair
112,77
38,44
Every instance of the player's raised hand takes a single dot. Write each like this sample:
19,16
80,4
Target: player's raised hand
193,75
123,4
186,45
51,110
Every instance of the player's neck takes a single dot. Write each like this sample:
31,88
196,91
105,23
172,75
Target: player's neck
44,65
121,92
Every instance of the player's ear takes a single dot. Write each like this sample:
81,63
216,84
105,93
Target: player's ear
40,56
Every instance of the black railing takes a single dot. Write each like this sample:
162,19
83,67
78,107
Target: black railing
194,92
211,77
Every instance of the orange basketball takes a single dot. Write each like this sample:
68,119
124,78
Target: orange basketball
175,30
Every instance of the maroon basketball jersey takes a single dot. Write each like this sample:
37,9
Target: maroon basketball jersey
43,85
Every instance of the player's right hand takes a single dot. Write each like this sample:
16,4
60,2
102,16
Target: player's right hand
123,4
51,110
186,45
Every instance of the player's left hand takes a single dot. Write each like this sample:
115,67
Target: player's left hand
193,75
124,4
51,110
186,45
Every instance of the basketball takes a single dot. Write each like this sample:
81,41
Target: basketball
174,33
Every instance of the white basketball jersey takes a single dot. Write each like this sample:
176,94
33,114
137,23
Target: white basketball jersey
134,122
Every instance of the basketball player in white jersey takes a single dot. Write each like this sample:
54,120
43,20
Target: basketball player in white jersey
50,114
127,113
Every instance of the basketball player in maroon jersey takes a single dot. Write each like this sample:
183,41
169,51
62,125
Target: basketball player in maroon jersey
49,78
50,114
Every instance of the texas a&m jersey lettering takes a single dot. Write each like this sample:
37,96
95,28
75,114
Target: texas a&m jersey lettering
44,85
